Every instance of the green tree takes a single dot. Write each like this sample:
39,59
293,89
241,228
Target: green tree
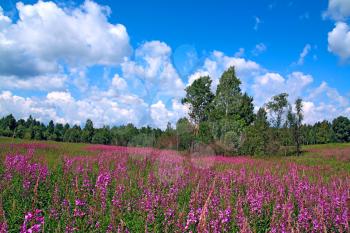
231,112
204,133
50,131
228,98
20,131
199,97
323,132
73,134
257,136
59,132
246,110
102,136
295,123
10,124
277,107
298,124
341,127
184,134
88,131
123,135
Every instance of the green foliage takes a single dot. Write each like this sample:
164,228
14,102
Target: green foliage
341,127
88,132
199,97
73,134
232,112
277,108
227,101
102,136
184,134
204,133
295,123
257,136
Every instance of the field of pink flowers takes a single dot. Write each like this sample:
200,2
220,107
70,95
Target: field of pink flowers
119,189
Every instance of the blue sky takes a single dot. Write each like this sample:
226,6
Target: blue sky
129,61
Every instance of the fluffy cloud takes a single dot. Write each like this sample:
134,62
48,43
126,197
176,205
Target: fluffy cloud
62,107
163,115
322,111
39,83
339,40
271,84
321,102
152,74
324,94
338,9
339,37
22,107
218,62
46,36
146,91
102,110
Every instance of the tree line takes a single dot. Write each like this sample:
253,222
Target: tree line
223,121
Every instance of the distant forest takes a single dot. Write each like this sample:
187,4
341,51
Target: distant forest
223,121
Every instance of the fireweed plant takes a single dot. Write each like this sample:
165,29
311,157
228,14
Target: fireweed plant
126,189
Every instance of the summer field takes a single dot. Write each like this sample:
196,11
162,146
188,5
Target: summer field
62,187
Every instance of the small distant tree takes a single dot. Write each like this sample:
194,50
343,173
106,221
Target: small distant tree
73,134
50,131
102,136
20,131
88,131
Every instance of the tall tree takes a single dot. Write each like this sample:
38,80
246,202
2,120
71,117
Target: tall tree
228,98
199,97
231,112
299,122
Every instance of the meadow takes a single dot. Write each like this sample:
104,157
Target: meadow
63,187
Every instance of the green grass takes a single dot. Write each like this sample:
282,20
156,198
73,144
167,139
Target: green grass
52,154
327,146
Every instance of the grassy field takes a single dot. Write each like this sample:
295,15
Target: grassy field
65,187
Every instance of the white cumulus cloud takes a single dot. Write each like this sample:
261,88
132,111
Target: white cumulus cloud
338,9
339,40
46,35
